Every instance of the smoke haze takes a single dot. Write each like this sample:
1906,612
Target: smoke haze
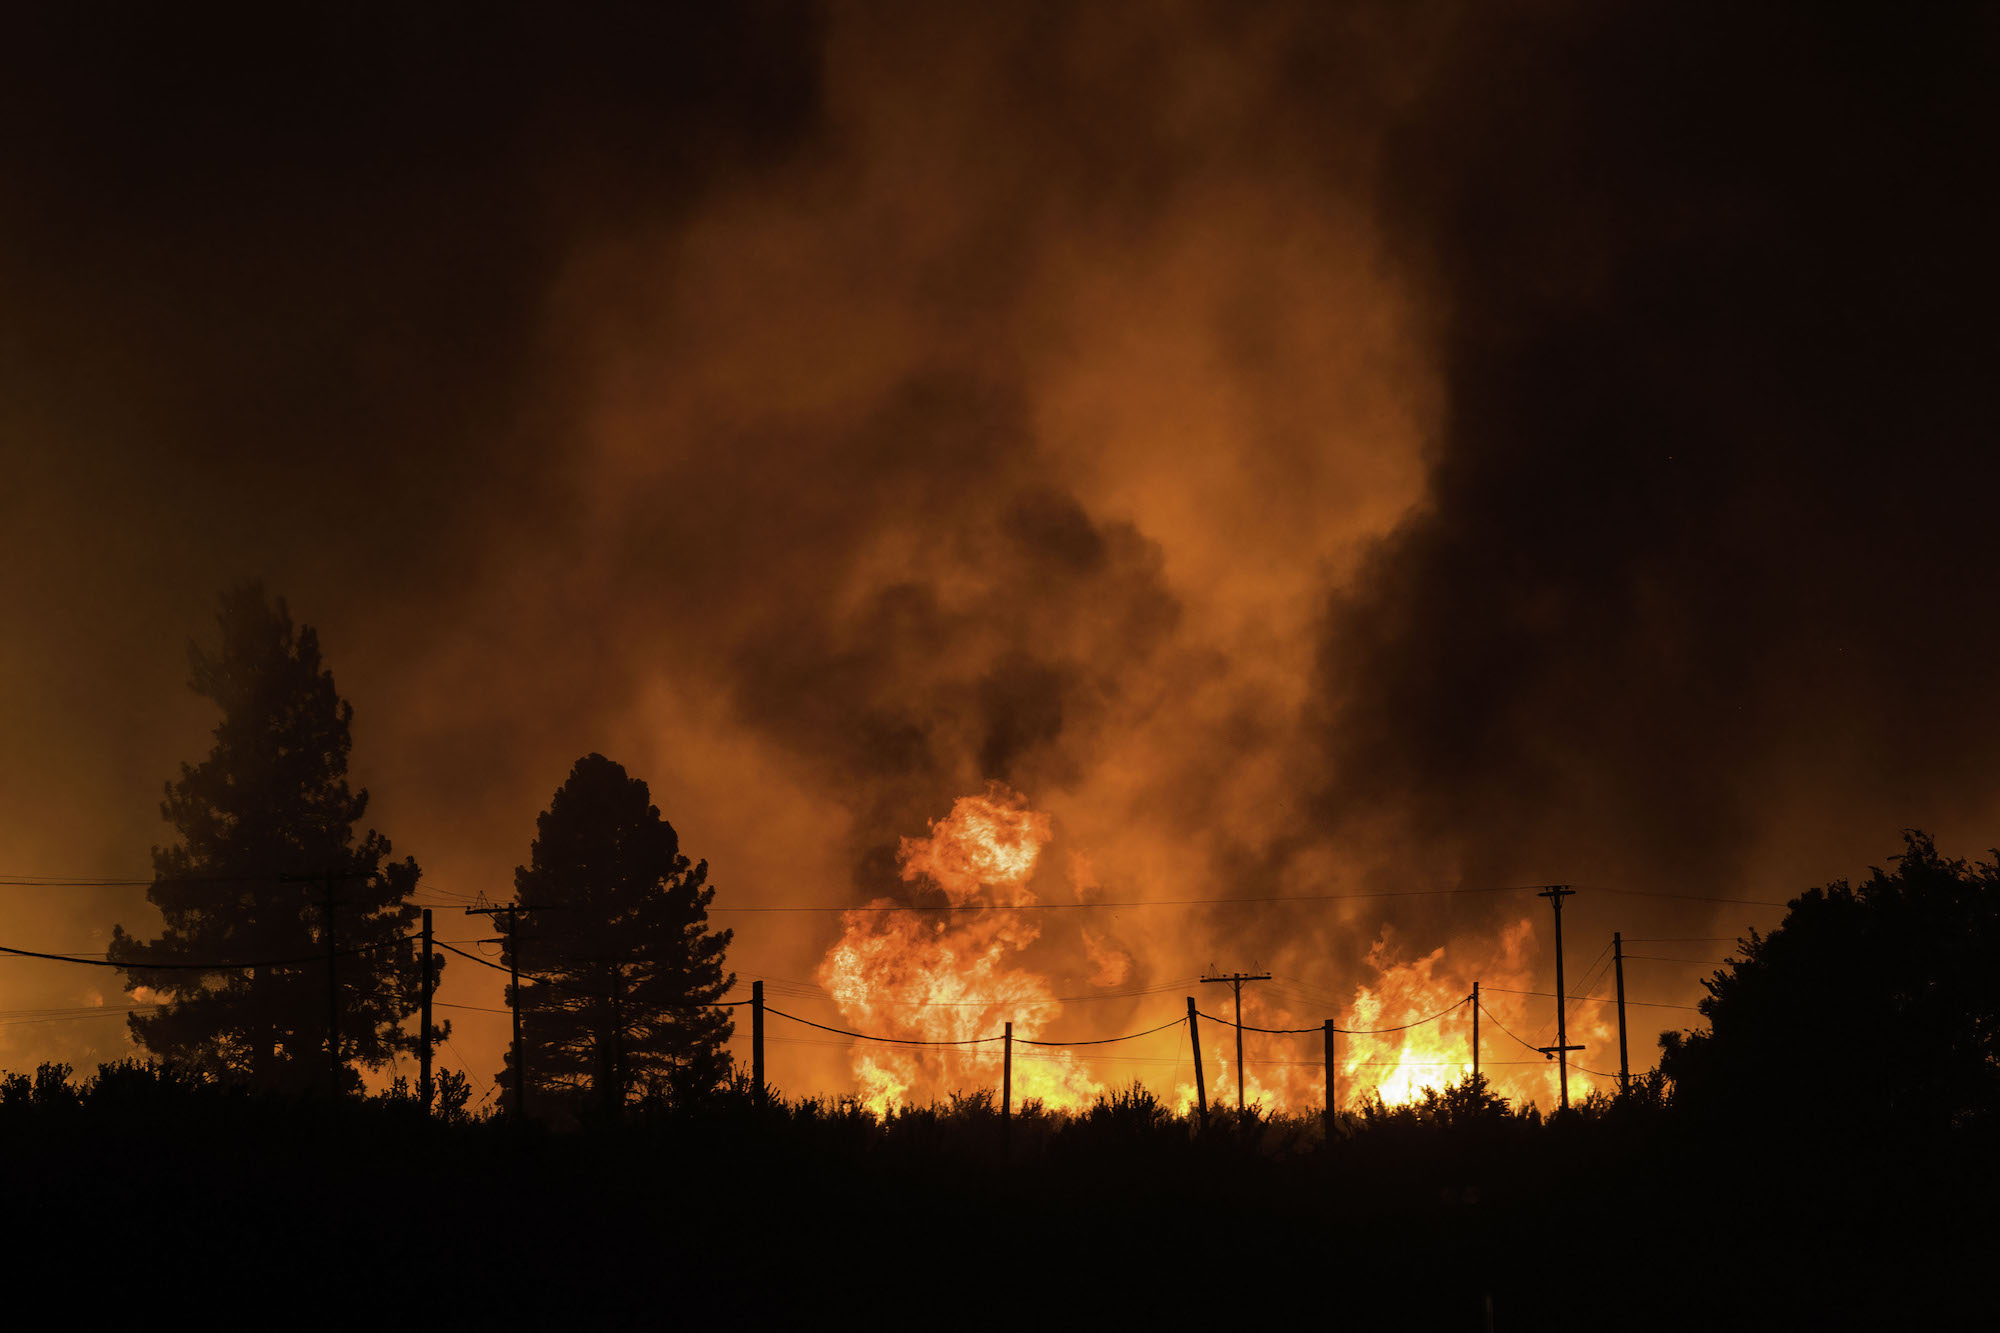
1301,448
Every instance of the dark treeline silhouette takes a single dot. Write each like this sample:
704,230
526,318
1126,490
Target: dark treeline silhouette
268,873
1823,1152
1425,1216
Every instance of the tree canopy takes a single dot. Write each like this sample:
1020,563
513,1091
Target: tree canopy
1885,992
266,871
616,919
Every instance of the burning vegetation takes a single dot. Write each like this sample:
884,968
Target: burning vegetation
957,972
934,975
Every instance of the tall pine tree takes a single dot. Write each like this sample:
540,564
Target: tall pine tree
616,919
267,866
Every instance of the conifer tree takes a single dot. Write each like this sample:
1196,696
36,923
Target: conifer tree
267,845
616,920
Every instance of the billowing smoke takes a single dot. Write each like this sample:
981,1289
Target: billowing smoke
1303,448
1699,594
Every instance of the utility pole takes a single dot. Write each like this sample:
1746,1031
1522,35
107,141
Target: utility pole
424,1043
514,959
1235,981
1475,1031
1329,1080
1624,1060
1555,893
332,1001
1007,1077
1194,1040
327,879
614,1093
757,1040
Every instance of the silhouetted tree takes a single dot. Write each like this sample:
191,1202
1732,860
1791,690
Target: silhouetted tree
1470,1101
1887,991
266,825
617,922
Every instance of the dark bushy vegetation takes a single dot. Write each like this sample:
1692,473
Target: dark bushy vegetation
1774,1172
817,1209
1890,986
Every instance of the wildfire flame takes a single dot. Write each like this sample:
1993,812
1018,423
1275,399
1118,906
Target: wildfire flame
958,974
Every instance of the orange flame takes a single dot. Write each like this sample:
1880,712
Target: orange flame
957,975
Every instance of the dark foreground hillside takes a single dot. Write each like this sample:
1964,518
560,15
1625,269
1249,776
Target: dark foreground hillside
142,1194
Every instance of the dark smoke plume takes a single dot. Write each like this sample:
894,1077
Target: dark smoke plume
1707,558
1303,447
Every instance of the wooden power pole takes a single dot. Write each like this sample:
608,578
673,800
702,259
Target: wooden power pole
424,1040
614,1095
327,879
332,1001
1624,1060
1007,1076
513,911
1331,1084
1555,893
757,1040
1235,980
1475,1031
1194,1042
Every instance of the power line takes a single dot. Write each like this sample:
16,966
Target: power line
1688,897
1654,958
84,882
581,990
466,1069
91,953
1104,1041
319,957
899,1041
1298,990
1351,1032
808,990
974,1041
106,881
1592,999
1275,1032
90,1011
990,1004
1510,1032
1681,939
1055,1057
1122,903
1600,963
69,1009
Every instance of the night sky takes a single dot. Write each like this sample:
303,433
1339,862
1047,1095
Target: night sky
1302,448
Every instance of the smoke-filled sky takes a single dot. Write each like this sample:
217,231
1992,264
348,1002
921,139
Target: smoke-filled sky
1302,448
